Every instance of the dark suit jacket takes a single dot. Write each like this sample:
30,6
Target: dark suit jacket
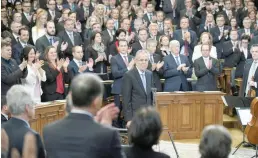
240,15
135,47
156,74
230,54
57,16
202,29
3,119
218,43
134,95
80,13
74,70
193,21
42,43
112,49
49,86
167,9
174,78
146,18
227,20
137,152
13,41
240,63
107,37
64,37
92,140
17,50
242,32
254,40
247,68
207,80
25,21
16,129
118,69
59,27
10,74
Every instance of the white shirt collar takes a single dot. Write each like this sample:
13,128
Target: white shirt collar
15,36
77,61
6,116
23,44
79,111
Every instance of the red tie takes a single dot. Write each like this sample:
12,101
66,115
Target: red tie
186,48
125,60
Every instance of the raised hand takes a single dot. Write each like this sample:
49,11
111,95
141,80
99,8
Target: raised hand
66,63
64,46
159,65
55,44
106,114
60,63
90,63
23,65
39,63
82,68
153,66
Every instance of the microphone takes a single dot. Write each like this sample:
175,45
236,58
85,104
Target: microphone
154,90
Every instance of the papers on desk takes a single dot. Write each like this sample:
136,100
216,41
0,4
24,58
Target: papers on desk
44,103
244,115
62,101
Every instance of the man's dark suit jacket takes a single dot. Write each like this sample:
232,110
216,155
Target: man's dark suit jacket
156,74
25,21
16,129
178,35
92,140
57,16
3,119
240,15
241,32
240,63
254,40
137,152
174,79
42,43
64,37
230,54
193,21
207,80
11,74
112,49
218,43
167,9
146,18
80,14
17,50
118,69
247,68
13,40
74,70
202,29
133,93
227,20
107,38
135,47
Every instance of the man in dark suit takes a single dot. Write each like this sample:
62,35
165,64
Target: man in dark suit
23,42
254,40
206,69
150,13
141,44
171,10
84,11
155,63
247,30
109,32
228,12
244,55
49,39
176,69
21,106
11,73
15,27
231,50
71,37
220,34
190,13
187,38
85,137
243,12
208,25
71,5
76,65
137,86
26,14
250,76
64,17
153,31
53,14
4,109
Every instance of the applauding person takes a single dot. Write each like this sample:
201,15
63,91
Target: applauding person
35,73
57,75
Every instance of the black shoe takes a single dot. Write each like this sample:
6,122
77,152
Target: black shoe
247,145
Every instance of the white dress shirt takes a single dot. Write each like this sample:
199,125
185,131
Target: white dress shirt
37,33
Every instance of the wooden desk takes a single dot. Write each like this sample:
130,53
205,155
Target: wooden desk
186,114
227,72
239,82
47,113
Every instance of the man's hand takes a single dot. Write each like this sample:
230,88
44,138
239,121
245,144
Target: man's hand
185,69
154,66
64,46
82,68
90,63
23,65
55,44
128,124
106,114
159,65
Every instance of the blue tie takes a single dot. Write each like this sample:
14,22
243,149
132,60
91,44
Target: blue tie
51,40
177,61
143,81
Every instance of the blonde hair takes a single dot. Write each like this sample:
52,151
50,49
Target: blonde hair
89,20
210,37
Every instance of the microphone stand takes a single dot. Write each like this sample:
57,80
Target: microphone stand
154,90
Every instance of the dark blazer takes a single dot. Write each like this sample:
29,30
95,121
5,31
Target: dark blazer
174,78
16,129
227,20
134,95
107,37
178,35
240,63
90,141
57,16
230,54
3,119
167,9
80,14
247,68
49,86
64,37
25,21
135,47
207,80
193,21
240,15
73,9
10,74
156,74
242,32
13,40
254,40
146,18
218,43
118,69
42,43
74,70
203,28
137,152
112,49
59,27
17,50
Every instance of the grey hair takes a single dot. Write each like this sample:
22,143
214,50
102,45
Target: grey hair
151,41
215,142
252,47
141,51
174,43
17,98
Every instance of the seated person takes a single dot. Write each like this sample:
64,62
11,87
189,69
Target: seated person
4,109
215,142
144,132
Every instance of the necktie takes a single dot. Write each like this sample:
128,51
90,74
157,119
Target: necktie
151,59
160,26
71,37
143,80
125,60
209,27
80,63
251,74
177,61
186,48
150,15
51,40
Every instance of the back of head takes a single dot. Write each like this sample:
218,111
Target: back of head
215,142
85,88
145,128
17,99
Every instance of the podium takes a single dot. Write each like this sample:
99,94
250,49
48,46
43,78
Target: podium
185,114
